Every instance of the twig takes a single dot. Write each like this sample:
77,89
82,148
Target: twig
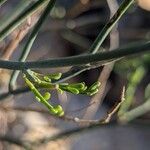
70,118
116,107
100,38
114,43
13,44
30,42
135,79
103,58
108,27
15,141
74,132
22,16
12,14
136,112
2,2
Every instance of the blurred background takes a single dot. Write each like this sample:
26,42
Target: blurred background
70,30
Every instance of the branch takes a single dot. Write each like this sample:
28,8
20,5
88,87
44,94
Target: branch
2,2
106,71
103,58
15,141
17,21
100,38
12,14
30,41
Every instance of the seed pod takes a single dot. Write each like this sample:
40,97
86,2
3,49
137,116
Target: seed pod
46,78
79,86
47,96
73,90
92,92
55,76
94,86
59,110
37,98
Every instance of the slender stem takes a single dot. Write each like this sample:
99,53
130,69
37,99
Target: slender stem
7,19
102,58
135,79
136,112
17,21
15,141
108,27
30,41
99,40
2,2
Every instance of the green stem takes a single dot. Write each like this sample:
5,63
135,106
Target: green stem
108,27
134,80
17,21
39,96
30,42
136,112
7,19
102,58
2,2
100,38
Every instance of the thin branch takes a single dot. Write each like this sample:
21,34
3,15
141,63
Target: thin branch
15,141
12,14
105,73
135,113
108,27
17,21
30,41
100,38
136,48
74,132
115,108
13,44
70,118
2,2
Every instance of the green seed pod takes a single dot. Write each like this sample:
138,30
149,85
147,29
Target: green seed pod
63,86
53,111
55,76
60,91
59,110
73,90
37,98
60,114
46,78
47,96
94,86
79,86
92,92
